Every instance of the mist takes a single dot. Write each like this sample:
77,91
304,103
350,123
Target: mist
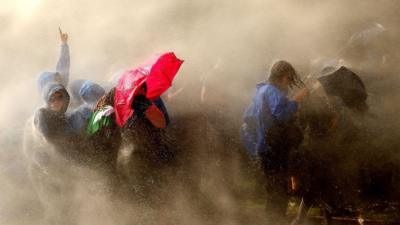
231,44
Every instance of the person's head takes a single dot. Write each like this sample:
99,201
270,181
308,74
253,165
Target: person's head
56,98
283,75
91,92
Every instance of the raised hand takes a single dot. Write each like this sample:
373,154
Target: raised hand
63,36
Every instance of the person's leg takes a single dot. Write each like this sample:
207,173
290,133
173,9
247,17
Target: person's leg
277,198
302,211
276,188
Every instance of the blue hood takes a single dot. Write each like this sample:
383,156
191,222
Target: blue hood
49,77
91,92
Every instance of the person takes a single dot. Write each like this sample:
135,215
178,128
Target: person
149,117
333,138
85,93
142,169
317,161
44,135
269,133
89,94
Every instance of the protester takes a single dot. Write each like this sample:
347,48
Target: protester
269,133
52,144
89,93
332,139
47,150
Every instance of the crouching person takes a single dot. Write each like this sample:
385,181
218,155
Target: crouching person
269,133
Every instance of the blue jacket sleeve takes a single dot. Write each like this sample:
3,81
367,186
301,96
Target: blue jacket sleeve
280,106
264,122
63,64
257,119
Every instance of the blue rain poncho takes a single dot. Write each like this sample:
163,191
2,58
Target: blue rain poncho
269,107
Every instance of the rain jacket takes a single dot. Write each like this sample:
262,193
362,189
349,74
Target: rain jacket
270,107
61,75
52,124
90,93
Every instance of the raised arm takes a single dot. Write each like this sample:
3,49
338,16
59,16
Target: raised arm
63,63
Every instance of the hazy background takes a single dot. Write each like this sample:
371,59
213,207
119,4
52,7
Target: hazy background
106,36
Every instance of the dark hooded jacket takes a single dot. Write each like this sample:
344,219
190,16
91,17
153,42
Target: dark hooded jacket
53,125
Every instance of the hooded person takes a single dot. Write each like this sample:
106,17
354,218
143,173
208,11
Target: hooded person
89,93
44,150
54,124
269,133
51,119
46,126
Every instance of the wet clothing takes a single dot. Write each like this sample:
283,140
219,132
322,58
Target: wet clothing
145,167
46,130
269,132
55,126
52,124
89,93
328,152
61,75
270,107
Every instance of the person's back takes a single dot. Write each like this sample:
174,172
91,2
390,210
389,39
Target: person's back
270,108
